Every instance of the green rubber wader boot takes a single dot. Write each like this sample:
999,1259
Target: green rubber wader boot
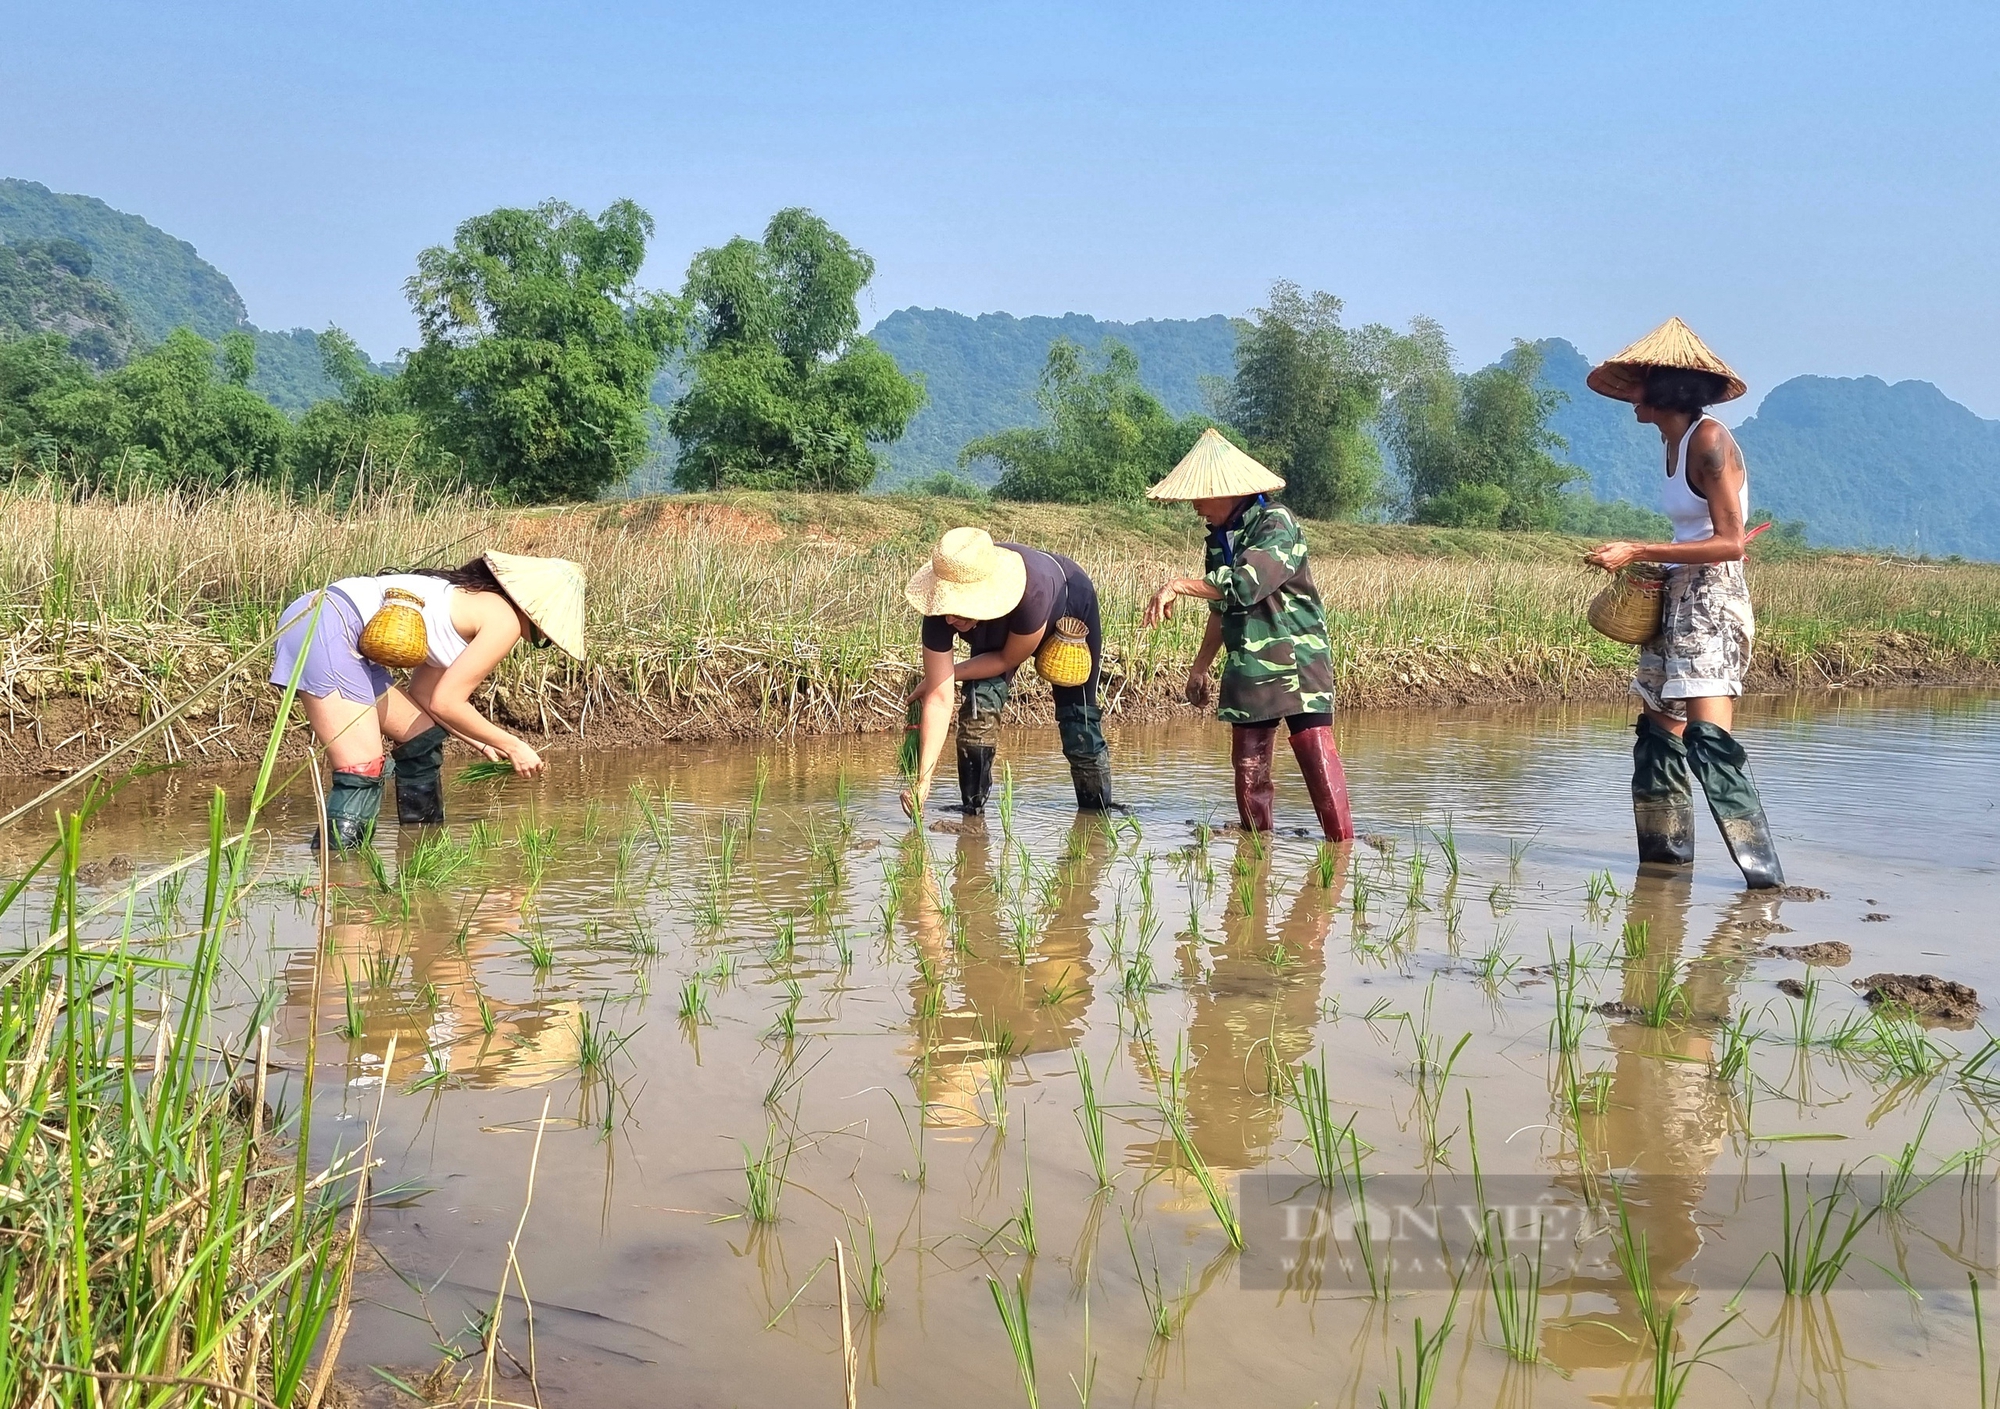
1082,729
1662,796
420,780
1720,763
352,805
977,741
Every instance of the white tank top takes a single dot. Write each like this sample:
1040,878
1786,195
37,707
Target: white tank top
1688,510
442,643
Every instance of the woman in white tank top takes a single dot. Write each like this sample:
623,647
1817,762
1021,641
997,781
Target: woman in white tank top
1692,672
472,616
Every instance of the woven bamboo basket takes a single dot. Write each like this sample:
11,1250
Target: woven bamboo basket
1628,609
395,635
1064,658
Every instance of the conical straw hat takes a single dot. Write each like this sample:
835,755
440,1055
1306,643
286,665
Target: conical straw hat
549,591
1214,469
968,576
1672,344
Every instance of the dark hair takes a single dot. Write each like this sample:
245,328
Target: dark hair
1681,389
474,576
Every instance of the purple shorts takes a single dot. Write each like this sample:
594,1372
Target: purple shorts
334,665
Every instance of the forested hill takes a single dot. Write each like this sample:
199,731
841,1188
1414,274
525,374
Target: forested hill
980,373
1863,463
163,283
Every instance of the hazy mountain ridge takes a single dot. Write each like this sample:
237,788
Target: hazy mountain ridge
164,283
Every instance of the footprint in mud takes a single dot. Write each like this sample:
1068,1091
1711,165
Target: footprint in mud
1873,917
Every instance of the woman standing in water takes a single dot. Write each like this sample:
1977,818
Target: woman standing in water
1004,599
1691,672
1265,612
471,616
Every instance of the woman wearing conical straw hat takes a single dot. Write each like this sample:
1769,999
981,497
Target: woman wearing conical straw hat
1008,602
1266,619
1691,672
450,627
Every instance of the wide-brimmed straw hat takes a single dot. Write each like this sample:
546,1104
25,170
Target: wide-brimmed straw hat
549,591
1214,469
1672,344
968,576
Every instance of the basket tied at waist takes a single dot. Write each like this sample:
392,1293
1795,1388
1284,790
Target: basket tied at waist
1628,609
395,635
1063,659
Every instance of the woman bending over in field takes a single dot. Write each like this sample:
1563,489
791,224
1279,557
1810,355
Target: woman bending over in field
450,627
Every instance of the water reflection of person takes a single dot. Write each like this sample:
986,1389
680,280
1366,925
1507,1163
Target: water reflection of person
1004,1005
1258,1003
528,1041
1664,1118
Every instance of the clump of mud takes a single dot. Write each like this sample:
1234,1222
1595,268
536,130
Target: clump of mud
1801,893
1830,953
1874,917
1925,995
1791,988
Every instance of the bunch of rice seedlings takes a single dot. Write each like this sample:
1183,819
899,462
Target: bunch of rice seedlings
694,999
486,770
1515,1279
1219,1200
1447,841
1013,1309
1658,1320
1090,1119
596,1042
1307,1090
1416,1391
764,1173
1166,1314
1814,1254
1668,998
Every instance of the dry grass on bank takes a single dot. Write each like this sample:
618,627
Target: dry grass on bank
760,613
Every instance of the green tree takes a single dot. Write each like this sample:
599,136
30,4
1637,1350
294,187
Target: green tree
165,418
1307,391
369,436
539,348
1105,437
1476,451
784,393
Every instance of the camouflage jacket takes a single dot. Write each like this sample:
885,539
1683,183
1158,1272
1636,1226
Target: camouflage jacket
1277,659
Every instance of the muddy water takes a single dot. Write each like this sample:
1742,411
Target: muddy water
785,964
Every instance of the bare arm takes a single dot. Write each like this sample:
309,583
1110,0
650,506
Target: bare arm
1715,472
1161,608
991,663
932,725
446,695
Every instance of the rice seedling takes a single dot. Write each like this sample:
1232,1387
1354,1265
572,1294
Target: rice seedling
1059,992
641,940
1632,939
1166,1315
1658,1320
1566,1029
1307,1090
1013,1309
1495,965
1413,895
485,770
658,816
1006,802
592,822
843,948
1989,1389
483,836
1416,1391
489,1022
1813,1255
354,1022
787,1026
758,787
1326,865
1447,842
596,1042
708,906
727,843
764,1175
1090,1119
694,999
1805,1025
541,951
1219,1200
1668,998
785,938
1600,890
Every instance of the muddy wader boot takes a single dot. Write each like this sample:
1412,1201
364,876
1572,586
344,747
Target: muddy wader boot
419,780
976,739
1662,796
1250,748
1082,729
352,805
1720,763
1325,779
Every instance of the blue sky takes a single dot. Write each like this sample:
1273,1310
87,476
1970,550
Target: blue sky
1812,186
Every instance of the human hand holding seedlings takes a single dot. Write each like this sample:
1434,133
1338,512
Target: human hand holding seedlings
1613,556
526,761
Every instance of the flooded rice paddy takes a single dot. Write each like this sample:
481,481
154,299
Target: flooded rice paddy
1061,1065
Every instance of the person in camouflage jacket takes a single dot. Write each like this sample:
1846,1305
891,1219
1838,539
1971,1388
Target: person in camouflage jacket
1267,623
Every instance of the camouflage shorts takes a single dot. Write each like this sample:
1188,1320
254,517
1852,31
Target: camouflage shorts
1703,649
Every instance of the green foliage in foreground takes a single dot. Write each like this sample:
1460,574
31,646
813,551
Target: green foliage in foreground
1105,438
539,349
785,393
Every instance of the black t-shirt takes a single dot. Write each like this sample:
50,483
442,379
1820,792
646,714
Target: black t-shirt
1045,598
